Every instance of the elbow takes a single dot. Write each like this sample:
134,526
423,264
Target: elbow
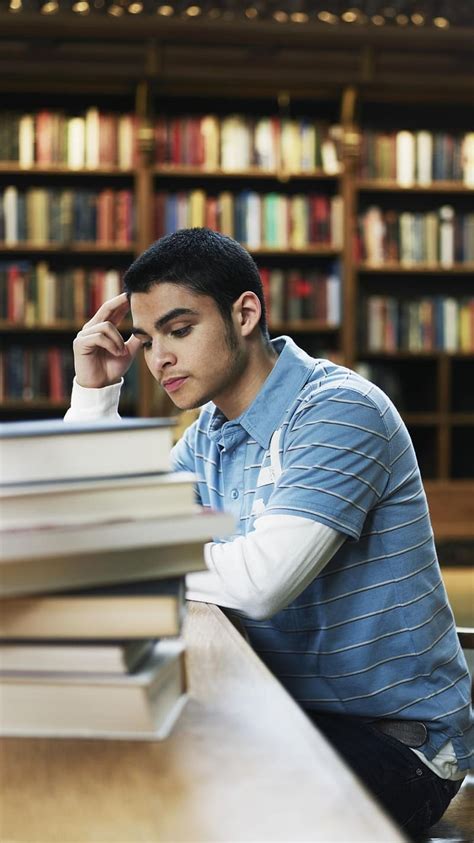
259,607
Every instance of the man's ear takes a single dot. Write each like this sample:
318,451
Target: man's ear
247,311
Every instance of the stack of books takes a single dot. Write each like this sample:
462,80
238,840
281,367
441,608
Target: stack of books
96,537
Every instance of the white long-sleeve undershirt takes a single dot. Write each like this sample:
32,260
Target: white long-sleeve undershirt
262,572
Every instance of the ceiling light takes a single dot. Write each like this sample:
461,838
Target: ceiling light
280,16
15,6
50,7
418,19
441,23
193,11
299,17
327,17
402,20
350,16
166,11
135,8
81,7
378,20
115,10
251,13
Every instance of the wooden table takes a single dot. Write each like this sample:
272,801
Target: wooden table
243,764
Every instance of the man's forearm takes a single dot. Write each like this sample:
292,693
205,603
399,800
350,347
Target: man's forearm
263,572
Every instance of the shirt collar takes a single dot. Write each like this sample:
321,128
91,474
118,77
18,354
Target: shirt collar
265,414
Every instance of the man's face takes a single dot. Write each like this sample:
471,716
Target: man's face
188,347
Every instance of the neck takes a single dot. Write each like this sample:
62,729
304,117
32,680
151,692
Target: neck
256,364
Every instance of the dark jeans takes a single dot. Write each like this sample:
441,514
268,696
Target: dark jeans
410,792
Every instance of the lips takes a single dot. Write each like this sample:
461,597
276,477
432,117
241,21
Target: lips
173,384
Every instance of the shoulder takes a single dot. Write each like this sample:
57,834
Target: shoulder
340,394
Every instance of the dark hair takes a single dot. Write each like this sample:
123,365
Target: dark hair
204,261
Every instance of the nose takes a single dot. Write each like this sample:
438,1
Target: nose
160,358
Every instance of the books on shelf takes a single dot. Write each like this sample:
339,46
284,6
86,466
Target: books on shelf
143,704
237,142
35,372
258,220
87,141
73,657
34,294
423,324
440,237
47,216
298,295
54,450
419,157
136,610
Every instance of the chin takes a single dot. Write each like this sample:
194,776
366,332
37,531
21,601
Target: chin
183,404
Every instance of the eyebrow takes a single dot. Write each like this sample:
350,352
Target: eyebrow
167,317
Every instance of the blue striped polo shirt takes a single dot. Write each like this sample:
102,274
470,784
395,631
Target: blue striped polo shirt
373,635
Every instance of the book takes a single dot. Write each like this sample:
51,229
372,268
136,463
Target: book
405,157
135,610
140,705
92,657
58,558
56,450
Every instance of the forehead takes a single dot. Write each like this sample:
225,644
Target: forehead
165,297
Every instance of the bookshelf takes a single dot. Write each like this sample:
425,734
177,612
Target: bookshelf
358,80
413,271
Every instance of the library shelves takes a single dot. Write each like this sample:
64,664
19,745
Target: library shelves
429,383
67,233
413,274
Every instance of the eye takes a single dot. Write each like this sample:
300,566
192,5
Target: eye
181,332
146,345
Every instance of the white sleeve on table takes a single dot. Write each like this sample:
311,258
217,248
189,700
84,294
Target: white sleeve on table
261,573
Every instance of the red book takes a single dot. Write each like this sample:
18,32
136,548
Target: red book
123,217
44,138
320,220
15,294
107,140
212,215
265,277
56,392
176,141
105,216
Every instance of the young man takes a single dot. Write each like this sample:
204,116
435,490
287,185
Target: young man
333,570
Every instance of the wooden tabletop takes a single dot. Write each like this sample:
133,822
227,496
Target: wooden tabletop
243,763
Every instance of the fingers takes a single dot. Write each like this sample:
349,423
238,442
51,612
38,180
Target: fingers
132,345
103,335
112,310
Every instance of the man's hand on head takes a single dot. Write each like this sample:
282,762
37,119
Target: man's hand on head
101,357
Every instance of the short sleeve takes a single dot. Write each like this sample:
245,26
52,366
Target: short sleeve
182,454
335,461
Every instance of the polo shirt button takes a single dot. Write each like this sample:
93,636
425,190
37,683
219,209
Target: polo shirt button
234,494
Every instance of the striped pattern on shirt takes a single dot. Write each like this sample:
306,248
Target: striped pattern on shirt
373,634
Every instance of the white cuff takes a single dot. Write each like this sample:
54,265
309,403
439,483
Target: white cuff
90,404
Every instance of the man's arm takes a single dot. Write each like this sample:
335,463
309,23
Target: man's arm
101,358
335,468
261,573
